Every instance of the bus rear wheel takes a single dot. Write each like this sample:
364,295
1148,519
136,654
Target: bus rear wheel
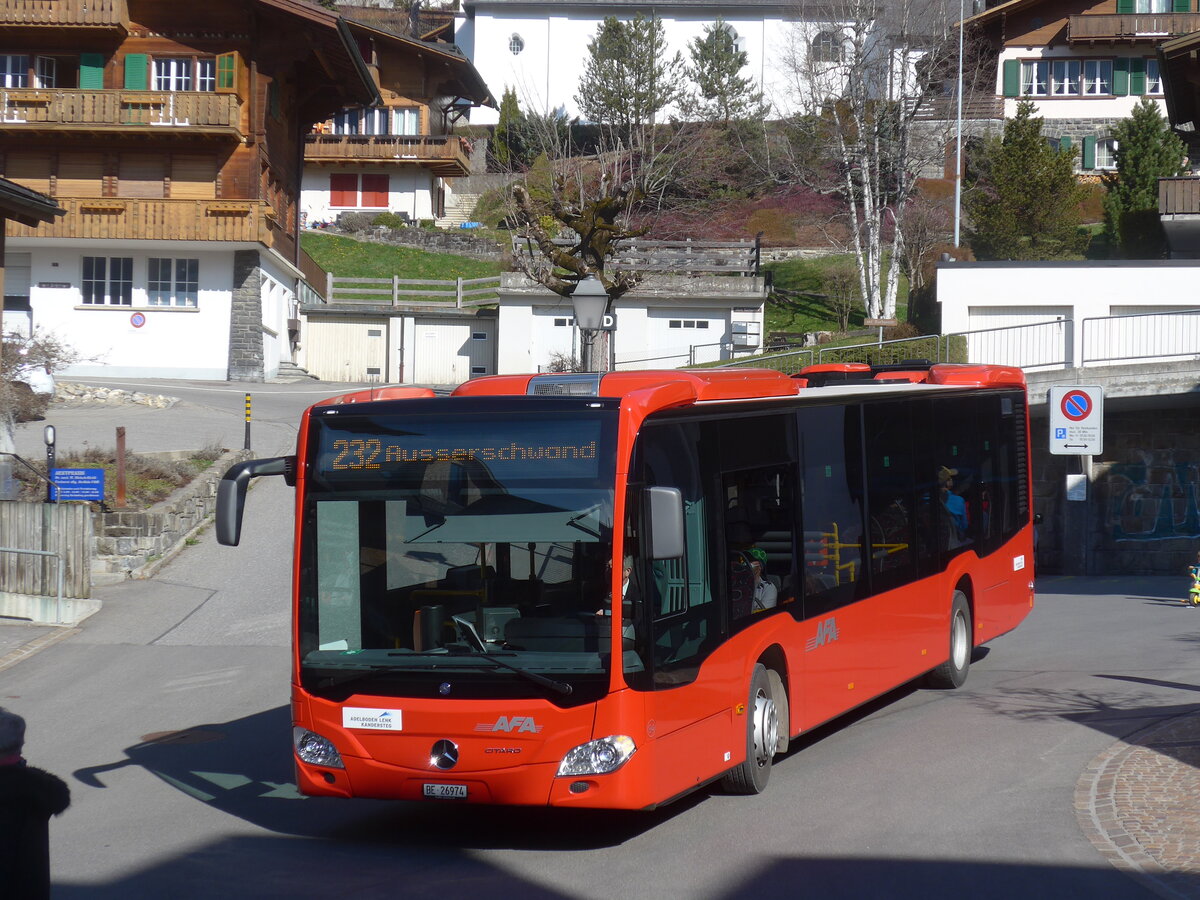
953,672
762,736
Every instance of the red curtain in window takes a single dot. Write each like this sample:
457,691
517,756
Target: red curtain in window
343,190
375,191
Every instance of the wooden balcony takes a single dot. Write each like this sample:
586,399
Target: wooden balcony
54,111
446,155
942,109
128,219
77,13
1179,196
1130,27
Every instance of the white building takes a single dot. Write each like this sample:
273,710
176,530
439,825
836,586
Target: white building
539,47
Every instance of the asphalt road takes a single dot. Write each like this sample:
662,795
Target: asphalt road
921,794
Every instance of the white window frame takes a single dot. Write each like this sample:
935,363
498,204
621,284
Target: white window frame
1154,85
1035,78
347,122
516,44
1065,77
1097,77
14,70
826,47
406,120
45,74
173,73
1106,153
112,285
1152,6
206,74
175,283
374,121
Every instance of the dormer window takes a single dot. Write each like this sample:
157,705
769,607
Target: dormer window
516,44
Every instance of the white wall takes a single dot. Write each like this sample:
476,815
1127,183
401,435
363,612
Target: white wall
278,297
1081,108
546,72
410,190
975,296
173,342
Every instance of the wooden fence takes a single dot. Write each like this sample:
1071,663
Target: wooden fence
410,292
58,534
738,258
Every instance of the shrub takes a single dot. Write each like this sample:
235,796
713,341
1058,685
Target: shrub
427,224
389,220
354,221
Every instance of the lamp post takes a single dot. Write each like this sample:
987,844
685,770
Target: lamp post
590,301
958,134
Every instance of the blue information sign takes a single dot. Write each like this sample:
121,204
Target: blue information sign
78,484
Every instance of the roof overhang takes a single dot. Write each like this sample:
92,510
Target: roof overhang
1179,63
26,206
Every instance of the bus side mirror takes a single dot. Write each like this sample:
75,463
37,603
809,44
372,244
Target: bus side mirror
231,493
664,506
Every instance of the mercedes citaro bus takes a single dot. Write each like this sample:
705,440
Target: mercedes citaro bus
609,590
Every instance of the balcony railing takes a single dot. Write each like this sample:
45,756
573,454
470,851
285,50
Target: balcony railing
1179,196
1131,26
946,108
123,218
57,110
442,154
91,13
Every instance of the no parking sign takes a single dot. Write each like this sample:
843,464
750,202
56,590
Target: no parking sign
1076,420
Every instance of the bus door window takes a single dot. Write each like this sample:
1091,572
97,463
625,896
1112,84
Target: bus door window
829,447
957,459
684,623
1003,489
890,493
758,496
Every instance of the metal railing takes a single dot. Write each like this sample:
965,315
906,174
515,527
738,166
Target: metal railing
1141,336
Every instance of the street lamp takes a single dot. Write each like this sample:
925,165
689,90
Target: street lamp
590,301
958,134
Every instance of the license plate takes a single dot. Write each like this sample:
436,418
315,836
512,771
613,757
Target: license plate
446,791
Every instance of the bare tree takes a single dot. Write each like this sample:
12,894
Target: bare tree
864,74
841,291
18,356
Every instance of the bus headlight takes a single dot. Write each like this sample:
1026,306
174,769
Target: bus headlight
316,750
598,757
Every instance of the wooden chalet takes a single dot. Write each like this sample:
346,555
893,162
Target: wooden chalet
1084,64
395,156
172,134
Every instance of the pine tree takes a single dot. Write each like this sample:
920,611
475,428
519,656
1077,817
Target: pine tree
629,78
722,95
1146,151
510,114
1024,199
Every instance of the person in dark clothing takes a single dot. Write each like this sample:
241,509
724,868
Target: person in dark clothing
28,798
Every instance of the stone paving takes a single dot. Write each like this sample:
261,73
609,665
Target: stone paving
1138,802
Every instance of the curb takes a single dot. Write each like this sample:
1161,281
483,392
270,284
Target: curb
1136,803
29,648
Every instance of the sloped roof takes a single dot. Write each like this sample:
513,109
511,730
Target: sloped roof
996,11
26,206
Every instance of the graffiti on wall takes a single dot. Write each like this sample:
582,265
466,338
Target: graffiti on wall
1153,501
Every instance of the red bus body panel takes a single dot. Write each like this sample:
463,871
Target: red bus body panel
688,735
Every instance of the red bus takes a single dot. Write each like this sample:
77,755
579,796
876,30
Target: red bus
784,550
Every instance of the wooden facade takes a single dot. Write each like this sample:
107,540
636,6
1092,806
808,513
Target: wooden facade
161,120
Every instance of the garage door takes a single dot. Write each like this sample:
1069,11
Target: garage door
1019,336
345,348
453,350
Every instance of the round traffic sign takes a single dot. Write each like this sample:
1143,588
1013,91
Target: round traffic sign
137,320
1077,405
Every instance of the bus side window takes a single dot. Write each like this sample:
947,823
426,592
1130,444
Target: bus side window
829,442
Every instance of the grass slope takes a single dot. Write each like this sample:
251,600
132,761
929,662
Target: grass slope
346,257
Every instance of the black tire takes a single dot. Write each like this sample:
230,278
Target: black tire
762,738
953,672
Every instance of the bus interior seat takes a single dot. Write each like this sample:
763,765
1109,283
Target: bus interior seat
491,622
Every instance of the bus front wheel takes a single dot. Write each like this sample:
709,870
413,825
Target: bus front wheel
953,672
762,736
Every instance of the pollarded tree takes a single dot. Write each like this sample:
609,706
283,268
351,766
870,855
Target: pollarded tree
629,77
721,94
1024,200
1146,150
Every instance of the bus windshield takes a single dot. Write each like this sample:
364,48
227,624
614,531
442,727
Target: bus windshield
467,555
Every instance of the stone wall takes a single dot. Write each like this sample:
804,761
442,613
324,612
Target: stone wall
134,543
1143,511
460,241
245,321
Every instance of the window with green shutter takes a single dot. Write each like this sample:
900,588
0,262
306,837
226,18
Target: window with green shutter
1181,6
227,71
1064,143
1089,152
1137,77
137,68
91,71
1012,77
1124,7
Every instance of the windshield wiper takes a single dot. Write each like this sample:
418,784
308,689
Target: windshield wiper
357,673
560,687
